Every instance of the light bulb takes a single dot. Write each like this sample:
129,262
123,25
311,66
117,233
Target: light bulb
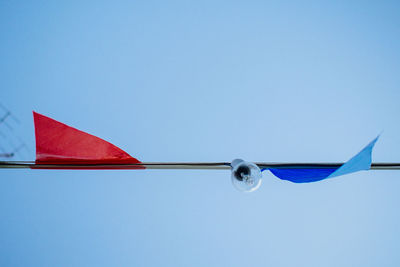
246,176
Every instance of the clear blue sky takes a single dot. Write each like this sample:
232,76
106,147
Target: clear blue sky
204,81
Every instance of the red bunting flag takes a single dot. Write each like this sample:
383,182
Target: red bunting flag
58,143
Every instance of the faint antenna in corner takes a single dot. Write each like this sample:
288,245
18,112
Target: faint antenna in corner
7,116
16,146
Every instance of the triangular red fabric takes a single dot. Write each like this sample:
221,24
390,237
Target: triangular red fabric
57,143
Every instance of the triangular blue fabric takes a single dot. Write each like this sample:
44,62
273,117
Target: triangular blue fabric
303,175
361,161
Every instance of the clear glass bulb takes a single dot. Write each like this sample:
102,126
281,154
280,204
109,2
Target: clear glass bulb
246,176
